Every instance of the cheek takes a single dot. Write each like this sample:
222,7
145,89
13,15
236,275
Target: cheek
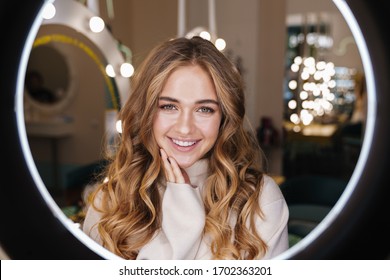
156,127
160,126
211,130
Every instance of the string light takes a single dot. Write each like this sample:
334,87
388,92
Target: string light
110,71
96,24
220,44
127,70
118,126
314,84
49,11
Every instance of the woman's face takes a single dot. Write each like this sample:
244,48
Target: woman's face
188,118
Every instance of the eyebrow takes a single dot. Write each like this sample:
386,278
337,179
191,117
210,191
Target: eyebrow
202,101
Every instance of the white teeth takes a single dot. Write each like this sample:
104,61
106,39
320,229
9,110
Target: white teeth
183,143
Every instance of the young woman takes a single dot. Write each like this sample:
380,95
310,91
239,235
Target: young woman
187,180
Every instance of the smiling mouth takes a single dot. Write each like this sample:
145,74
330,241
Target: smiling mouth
184,143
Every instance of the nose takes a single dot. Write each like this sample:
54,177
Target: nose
185,123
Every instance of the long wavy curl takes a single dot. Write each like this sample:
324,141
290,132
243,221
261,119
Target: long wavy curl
130,200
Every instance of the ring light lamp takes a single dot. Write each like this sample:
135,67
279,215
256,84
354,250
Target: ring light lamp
33,227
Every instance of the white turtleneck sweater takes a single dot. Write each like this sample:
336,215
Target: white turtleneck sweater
183,219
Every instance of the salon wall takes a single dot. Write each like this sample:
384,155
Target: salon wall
140,25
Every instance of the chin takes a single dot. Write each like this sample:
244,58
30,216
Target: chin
186,163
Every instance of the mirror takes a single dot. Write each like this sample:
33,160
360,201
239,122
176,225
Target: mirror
324,238
48,80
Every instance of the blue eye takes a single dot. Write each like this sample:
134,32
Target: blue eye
206,110
168,107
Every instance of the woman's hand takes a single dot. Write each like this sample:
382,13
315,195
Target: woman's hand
173,173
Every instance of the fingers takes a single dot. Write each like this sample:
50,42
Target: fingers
169,175
176,171
172,170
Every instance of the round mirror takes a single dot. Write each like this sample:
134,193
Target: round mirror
49,82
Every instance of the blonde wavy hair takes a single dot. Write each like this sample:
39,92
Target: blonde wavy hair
130,203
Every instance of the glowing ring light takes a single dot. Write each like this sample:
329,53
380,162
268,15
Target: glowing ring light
33,227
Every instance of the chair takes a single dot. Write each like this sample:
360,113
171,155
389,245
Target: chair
309,198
